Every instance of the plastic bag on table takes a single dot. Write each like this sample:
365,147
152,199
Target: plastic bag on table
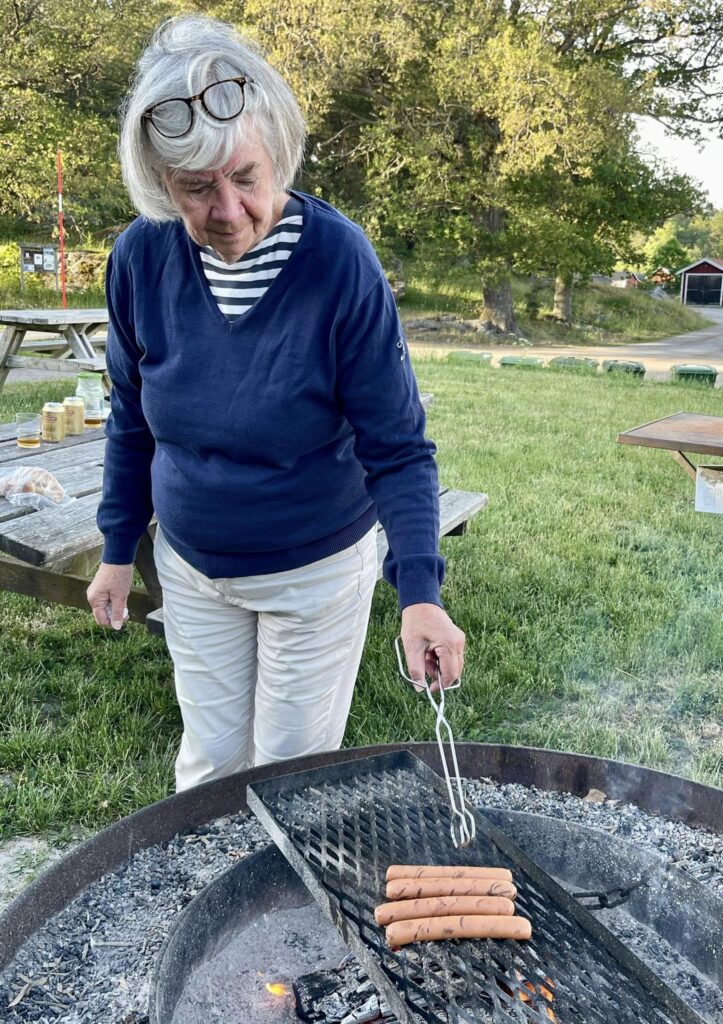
32,487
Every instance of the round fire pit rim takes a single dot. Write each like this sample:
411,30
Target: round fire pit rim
692,803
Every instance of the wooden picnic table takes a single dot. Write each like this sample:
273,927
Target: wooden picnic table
76,326
49,554
682,432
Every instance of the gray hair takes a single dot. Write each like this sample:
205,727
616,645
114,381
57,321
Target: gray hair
184,56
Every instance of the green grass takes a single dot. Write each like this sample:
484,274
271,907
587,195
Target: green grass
12,297
602,315
590,592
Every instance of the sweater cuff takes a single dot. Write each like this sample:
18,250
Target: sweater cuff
119,549
418,581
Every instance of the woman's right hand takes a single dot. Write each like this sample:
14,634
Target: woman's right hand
108,594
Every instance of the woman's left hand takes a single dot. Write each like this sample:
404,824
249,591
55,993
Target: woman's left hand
432,644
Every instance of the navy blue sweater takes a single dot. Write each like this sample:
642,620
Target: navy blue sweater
271,442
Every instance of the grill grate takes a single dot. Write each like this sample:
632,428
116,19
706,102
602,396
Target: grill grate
341,827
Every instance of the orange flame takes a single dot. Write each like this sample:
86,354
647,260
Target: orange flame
548,995
277,989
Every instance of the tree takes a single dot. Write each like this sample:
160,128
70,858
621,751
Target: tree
576,227
427,119
64,72
671,255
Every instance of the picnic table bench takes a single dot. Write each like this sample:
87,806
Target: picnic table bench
75,326
49,554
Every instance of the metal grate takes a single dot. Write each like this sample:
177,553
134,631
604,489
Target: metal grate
341,827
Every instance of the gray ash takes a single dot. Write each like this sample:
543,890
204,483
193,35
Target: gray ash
695,851
92,962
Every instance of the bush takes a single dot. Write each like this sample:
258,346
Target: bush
9,266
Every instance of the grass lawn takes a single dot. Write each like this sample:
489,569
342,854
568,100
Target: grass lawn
590,592
602,315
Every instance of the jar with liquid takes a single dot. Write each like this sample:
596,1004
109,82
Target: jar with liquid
90,389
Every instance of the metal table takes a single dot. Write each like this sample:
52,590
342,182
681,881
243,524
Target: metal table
679,433
75,325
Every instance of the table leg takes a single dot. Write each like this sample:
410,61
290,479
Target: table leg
146,566
9,346
80,344
686,464
89,329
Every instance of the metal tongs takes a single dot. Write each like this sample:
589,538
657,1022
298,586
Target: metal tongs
463,828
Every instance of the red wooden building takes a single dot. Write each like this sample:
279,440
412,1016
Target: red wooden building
701,283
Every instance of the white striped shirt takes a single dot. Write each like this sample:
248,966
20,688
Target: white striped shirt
236,287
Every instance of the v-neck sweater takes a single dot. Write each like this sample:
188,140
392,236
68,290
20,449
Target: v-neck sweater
273,441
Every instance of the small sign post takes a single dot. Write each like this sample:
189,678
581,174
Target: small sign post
38,258
61,229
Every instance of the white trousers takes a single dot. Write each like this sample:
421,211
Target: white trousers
264,666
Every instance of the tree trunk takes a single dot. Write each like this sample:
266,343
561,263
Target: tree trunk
562,306
499,309
497,291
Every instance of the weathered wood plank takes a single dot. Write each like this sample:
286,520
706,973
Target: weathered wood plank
9,448
48,537
49,344
57,345
81,480
74,451
9,345
53,317
69,590
455,508
8,432
76,480
95,365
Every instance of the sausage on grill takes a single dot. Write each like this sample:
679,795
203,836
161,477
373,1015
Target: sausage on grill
443,906
435,929
461,871
423,888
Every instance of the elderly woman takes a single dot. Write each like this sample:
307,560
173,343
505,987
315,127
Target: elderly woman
265,409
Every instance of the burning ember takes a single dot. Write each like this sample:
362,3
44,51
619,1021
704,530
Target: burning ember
545,989
277,989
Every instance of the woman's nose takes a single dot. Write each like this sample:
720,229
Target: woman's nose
226,202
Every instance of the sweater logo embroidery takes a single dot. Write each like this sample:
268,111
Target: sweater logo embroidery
402,349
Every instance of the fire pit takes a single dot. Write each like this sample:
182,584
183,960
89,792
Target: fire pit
668,922
92,942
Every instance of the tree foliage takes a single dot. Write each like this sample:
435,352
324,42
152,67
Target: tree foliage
695,236
498,131
64,71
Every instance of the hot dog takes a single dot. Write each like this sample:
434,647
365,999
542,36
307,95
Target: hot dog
443,906
435,929
423,888
462,871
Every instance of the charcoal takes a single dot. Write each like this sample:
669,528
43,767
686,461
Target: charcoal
310,989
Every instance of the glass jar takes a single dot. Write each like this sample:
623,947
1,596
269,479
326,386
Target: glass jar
90,389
